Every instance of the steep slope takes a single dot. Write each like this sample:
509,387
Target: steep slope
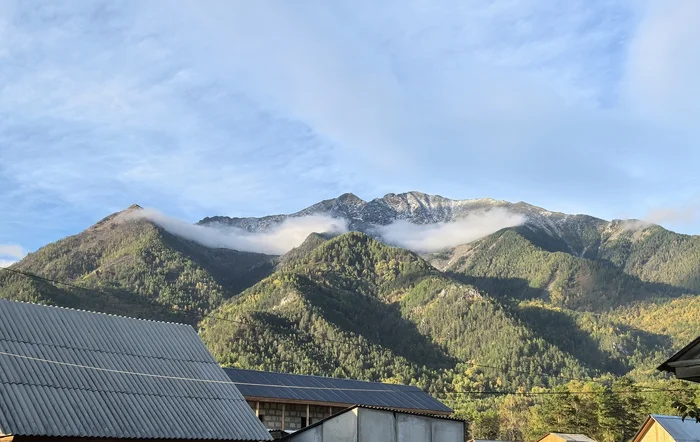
356,307
137,269
653,254
522,263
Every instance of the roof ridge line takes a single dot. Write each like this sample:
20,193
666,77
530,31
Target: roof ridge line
92,390
324,377
106,351
96,312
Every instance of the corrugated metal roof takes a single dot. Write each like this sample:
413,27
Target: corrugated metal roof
486,440
66,372
680,430
264,384
574,437
690,351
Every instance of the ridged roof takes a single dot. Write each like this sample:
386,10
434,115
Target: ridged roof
571,437
66,372
332,390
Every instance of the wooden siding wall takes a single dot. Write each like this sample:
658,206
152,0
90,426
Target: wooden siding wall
656,433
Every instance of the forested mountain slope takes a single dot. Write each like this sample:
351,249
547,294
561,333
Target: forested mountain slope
355,303
521,263
137,269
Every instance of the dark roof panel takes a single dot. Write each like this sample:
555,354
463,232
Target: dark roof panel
73,373
282,386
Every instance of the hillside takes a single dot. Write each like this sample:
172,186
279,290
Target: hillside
392,306
137,269
520,263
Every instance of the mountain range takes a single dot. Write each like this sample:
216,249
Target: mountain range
549,297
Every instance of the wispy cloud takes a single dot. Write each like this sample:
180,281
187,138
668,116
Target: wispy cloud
686,214
10,254
12,250
275,241
438,236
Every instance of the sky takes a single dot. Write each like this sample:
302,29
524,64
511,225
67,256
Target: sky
201,108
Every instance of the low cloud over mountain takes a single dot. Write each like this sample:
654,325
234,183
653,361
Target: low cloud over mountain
275,241
437,236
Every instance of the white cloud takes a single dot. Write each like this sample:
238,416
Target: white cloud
6,262
12,250
10,254
426,238
634,225
664,62
686,214
274,241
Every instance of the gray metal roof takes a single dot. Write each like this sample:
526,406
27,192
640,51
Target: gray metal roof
264,384
680,430
574,437
689,354
67,372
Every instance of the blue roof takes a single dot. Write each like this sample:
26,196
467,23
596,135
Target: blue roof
343,392
74,373
679,429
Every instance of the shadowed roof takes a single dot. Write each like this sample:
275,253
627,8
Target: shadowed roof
343,392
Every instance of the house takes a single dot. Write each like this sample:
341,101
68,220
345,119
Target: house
72,375
484,440
292,401
658,428
565,437
370,424
685,364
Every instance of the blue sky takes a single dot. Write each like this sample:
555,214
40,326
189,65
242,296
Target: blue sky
200,108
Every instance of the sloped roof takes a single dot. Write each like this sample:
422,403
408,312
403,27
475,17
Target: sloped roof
74,373
343,392
572,437
689,353
680,430
486,440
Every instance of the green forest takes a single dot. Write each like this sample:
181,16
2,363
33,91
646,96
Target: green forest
521,333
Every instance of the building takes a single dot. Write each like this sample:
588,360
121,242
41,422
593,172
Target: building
658,428
370,424
565,437
686,363
485,440
72,375
291,401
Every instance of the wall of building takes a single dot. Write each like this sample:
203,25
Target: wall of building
656,433
294,414
370,425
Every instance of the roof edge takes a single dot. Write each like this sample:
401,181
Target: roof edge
665,365
321,376
96,312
